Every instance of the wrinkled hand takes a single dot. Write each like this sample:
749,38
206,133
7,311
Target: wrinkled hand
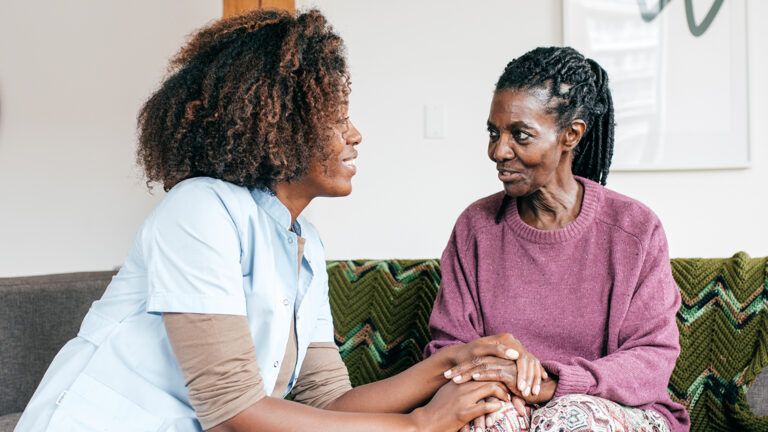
540,390
503,420
482,422
523,376
503,346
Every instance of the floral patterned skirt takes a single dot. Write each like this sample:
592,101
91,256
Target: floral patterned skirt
579,413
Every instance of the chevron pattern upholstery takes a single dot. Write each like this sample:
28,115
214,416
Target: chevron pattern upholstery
723,323
381,311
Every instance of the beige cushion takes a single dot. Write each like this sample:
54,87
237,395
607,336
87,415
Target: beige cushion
758,394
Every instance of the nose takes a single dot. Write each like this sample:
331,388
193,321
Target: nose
353,135
501,151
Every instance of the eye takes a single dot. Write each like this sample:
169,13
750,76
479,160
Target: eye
493,134
342,125
520,136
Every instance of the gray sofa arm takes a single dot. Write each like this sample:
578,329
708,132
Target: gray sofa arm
38,315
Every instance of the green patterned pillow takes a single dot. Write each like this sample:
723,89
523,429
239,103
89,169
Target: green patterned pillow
723,323
381,312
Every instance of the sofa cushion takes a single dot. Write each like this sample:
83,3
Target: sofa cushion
8,422
39,314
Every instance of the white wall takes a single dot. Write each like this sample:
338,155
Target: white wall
405,54
409,190
73,75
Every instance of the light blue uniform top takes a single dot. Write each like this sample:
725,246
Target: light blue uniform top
209,247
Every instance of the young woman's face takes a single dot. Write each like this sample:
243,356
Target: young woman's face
333,178
524,141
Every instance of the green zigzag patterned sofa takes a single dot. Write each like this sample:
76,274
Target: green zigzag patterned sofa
381,310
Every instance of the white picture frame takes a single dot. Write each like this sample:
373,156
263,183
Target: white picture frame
678,75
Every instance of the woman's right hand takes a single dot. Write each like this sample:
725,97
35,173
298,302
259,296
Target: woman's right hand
504,356
455,405
502,345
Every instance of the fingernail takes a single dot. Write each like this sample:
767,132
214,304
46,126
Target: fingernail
447,373
512,354
527,391
457,378
475,376
536,389
521,385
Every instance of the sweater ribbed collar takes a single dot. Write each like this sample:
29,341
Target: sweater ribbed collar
593,194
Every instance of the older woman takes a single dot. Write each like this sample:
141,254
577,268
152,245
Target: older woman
579,274
221,307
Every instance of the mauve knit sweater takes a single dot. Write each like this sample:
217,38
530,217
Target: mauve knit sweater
595,301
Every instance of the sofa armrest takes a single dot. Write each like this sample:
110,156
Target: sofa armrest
38,315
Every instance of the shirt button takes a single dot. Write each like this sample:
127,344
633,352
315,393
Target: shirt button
290,239
285,302
275,363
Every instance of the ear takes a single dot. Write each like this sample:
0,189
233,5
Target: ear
572,134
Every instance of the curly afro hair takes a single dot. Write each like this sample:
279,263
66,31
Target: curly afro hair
250,100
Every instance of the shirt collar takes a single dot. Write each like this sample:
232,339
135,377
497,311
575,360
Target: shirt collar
267,200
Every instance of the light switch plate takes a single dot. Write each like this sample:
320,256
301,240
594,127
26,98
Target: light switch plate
434,122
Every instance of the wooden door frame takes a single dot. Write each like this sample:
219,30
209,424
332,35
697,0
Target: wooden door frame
237,7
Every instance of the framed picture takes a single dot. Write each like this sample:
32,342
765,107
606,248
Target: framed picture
678,74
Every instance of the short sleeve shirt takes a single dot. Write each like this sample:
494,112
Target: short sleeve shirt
209,247
215,248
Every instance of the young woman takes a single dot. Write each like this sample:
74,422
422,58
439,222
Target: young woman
579,274
221,307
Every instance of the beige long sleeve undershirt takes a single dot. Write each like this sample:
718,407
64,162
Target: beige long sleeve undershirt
217,356
218,359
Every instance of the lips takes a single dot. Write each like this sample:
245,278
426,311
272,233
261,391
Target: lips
350,162
508,175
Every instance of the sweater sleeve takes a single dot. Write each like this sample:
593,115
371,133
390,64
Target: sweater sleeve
455,318
638,371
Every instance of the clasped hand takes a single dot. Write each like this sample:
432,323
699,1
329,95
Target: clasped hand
514,366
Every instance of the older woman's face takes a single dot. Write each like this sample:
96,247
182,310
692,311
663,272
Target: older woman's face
333,178
524,140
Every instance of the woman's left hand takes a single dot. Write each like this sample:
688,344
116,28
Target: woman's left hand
503,346
524,376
